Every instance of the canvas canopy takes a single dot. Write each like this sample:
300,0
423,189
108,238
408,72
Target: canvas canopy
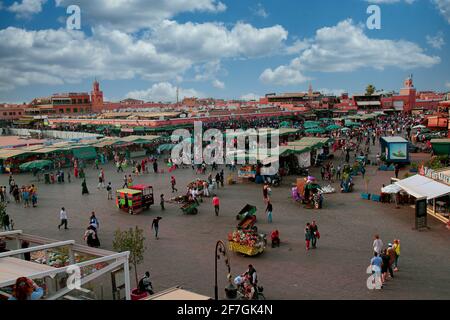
422,187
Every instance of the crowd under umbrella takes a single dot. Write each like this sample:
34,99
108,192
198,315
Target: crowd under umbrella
36,164
285,124
311,124
315,130
333,127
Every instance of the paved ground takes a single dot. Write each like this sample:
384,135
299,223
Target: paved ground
184,254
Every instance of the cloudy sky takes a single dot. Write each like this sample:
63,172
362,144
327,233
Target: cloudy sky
145,49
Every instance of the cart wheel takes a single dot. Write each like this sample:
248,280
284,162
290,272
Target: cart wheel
194,211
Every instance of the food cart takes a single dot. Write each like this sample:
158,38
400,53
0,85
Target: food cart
246,239
147,194
247,172
188,206
134,199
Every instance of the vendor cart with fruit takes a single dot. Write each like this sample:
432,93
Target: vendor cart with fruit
246,239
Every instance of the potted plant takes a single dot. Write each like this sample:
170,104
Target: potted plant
414,167
132,240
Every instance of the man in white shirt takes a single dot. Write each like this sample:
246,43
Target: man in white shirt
63,219
377,245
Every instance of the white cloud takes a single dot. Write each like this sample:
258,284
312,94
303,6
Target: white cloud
205,41
436,41
283,75
345,48
165,53
297,47
132,15
164,92
259,11
444,8
26,8
250,96
30,57
218,84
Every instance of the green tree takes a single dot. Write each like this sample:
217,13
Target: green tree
370,90
131,240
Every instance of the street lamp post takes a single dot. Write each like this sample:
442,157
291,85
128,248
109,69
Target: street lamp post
231,291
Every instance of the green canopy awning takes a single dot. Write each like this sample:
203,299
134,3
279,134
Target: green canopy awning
315,130
165,147
333,127
138,129
37,164
85,153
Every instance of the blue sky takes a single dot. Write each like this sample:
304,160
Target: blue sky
223,49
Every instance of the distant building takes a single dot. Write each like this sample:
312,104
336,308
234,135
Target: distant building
11,111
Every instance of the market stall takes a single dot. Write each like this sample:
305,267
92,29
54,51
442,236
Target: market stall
246,239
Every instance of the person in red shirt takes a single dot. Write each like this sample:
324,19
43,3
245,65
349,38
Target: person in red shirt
275,237
216,204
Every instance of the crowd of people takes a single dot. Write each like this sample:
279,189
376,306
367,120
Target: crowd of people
384,262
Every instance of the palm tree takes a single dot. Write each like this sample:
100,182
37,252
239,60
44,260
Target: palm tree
370,90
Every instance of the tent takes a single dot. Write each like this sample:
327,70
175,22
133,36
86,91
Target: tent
85,153
315,130
333,127
392,188
422,187
37,164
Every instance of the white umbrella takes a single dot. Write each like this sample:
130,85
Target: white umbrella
420,126
392,188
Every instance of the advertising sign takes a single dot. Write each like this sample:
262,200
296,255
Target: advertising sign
398,151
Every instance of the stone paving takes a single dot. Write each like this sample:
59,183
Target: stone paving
184,254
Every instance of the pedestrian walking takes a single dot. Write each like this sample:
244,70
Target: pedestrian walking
216,204
218,179
314,234
307,236
322,172
109,191
363,171
396,247
269,210
84,188
397,170
125,181
162,202
155,166
222,178
377,245
63,219
91,237
100,181
93,221
6,222
155,226
391,253
173,183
